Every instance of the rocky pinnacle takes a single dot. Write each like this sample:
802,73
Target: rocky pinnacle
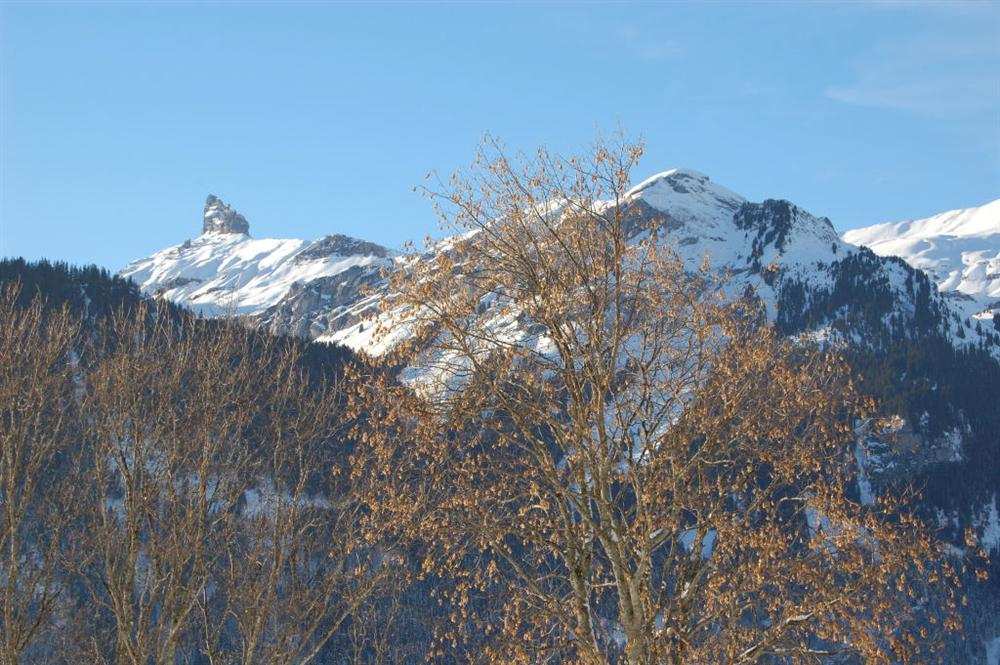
221,218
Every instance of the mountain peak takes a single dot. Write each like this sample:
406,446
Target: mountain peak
681,181
689,197
981,221
220,217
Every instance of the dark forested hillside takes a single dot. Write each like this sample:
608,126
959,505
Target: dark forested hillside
906,360
181,490
948,395
95,293
89,289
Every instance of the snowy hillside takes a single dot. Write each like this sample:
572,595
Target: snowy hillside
225,271
807,277
959,249
703,220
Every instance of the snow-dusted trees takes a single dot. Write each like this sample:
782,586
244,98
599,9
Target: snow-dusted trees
615,462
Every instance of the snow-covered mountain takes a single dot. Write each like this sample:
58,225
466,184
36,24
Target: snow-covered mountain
958,249
809,279
224,271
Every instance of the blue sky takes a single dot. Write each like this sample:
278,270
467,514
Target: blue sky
118,118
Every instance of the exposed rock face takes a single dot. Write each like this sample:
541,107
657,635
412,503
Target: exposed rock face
326,304
638,215
175,283
772,220
340,245
221,218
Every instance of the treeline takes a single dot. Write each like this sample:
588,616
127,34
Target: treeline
96,294
84,289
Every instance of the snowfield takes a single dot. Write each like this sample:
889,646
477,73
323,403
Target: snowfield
221,273
958,249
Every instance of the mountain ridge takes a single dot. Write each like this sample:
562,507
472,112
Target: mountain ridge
959,249
224,271
327,289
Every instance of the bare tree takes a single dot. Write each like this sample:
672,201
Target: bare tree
222,527
37,467
167,416
617,464
305,558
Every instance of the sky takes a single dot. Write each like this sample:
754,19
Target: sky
117,119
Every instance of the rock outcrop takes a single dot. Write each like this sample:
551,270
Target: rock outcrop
222,218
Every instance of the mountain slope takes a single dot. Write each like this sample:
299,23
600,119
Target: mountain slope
225,271
807,277
958,249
